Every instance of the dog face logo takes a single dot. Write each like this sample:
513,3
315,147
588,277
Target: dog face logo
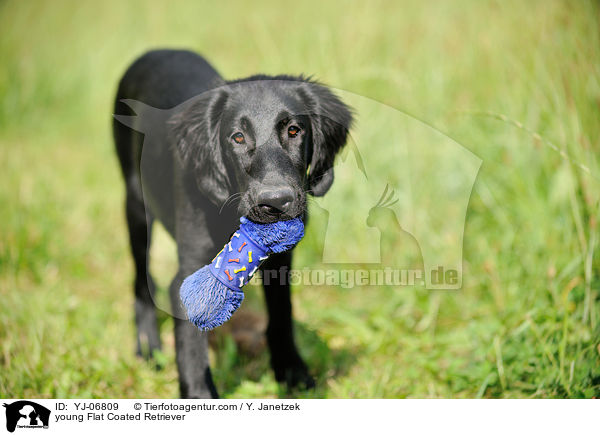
26,414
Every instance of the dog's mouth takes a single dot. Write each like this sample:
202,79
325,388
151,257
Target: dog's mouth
267,208
264,214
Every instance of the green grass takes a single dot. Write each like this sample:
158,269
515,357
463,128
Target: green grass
525,323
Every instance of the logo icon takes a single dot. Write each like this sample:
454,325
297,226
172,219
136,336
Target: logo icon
26,414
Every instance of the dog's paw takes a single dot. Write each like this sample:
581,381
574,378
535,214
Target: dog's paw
153,355
149,347
295,375
148,337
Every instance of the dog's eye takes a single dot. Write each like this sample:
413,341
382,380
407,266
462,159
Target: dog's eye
293,131
238,138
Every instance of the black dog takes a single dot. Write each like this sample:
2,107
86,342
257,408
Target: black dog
260,143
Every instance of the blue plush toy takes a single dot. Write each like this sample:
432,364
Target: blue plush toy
211,294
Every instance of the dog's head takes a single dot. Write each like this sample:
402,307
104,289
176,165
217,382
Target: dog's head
265,140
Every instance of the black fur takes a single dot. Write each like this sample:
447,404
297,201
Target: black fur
183,166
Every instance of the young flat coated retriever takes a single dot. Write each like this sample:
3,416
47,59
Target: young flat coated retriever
198,152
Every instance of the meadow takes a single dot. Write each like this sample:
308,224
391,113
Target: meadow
516,83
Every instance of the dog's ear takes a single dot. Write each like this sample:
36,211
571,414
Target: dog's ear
195,131
330,121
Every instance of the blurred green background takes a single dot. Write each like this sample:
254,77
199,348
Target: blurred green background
525,323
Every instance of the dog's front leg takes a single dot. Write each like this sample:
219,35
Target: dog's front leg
285,359
195,248
191,347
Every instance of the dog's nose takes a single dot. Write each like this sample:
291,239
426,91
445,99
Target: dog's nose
275,200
